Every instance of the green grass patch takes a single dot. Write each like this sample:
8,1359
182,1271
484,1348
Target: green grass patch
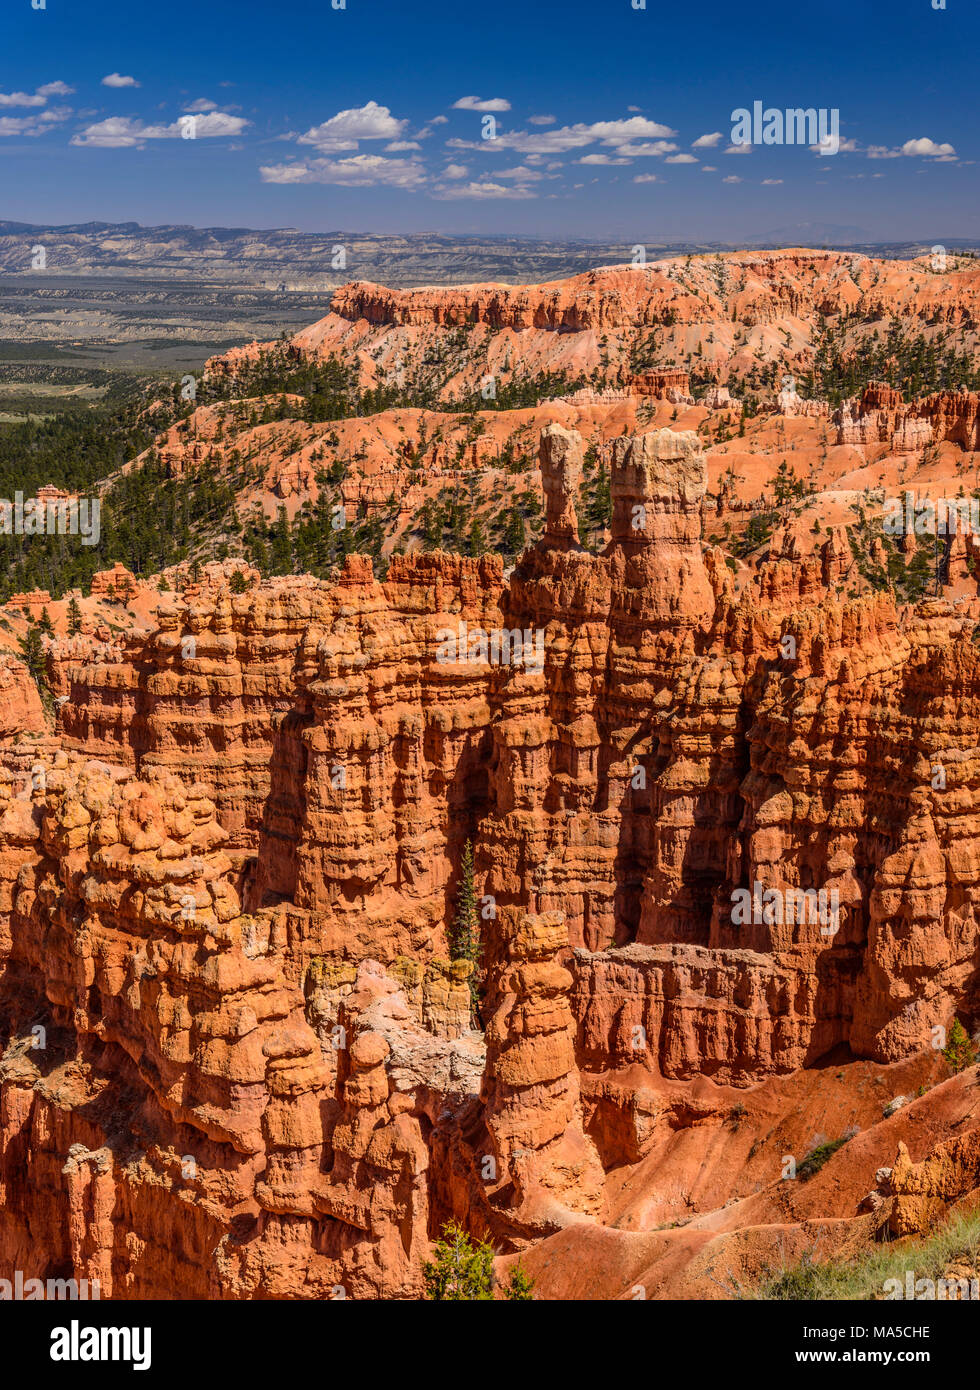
817,1157
863,1278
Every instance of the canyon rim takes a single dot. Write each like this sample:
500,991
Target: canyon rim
614,905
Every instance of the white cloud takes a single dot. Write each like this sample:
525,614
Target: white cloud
636,128
770,183
21,99
116,79
649,148
479,104
707,142
399,146
647,178
923,146
731,178
520,171
38,124
571,137
600,159
739,149
202,104
39,97
680,159
359,171
126,132
343,131
455,171
843,147
215,123
117,132
483,190
541,120
708,169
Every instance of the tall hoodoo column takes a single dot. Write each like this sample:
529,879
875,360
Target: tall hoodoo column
560,457
548,1171
657,483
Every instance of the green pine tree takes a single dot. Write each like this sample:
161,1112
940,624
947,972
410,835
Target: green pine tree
259,554
431,525
35,658
281,544
514,535
959,1051
74,617
461,1271
521,1286
602,506
45,624
238,583
464,934
477,538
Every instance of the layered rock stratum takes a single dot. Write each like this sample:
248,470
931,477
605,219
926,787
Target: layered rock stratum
238,1062
725,824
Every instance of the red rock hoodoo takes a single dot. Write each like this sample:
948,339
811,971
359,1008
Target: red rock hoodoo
726,848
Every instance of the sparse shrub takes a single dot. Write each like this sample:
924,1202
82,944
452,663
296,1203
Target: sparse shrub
863,1277
818,1156
462,1271
959,1051
521,1286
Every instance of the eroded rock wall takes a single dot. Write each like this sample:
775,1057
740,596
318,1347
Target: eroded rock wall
227,879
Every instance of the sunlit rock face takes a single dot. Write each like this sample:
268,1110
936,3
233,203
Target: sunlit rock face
719,837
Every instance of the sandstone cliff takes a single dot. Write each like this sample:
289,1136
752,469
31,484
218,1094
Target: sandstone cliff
236,1058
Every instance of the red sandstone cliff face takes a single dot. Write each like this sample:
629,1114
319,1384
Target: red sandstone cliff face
20,703
726,310
798,282
628,342
225,885
881,416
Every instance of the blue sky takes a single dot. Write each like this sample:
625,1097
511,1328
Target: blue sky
612,122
